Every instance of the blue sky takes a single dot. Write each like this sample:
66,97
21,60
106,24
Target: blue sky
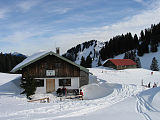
28,26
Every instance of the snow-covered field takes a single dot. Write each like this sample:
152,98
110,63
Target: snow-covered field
117,95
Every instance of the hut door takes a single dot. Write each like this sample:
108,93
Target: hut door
50,85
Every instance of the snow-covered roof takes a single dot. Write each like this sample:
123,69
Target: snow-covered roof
37,56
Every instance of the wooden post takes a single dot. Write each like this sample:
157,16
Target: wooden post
142,82
48,99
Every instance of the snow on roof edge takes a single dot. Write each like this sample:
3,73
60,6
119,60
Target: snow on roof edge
31,59
28,60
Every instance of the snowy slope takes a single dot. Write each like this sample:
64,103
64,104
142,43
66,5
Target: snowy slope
94,49
91,48
116,94
148,104
127,76
9,83
146,59
18,54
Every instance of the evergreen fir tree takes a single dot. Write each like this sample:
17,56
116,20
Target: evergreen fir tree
126,55
88,62
154,65
136,43
83,62
138,62
8,61
142,36
29,86
154,45
99,62
140,50
130,55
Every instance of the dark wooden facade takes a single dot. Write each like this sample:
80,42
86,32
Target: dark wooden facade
62,69
110,64
50,62
120,67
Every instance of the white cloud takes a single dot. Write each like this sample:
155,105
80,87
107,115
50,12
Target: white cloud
55,8
140,1
3,13
133,24
27,5
72,37
58,10
20,36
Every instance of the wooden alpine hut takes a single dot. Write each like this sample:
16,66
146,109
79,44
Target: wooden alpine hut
120,64
52,71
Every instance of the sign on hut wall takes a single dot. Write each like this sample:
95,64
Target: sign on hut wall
50,72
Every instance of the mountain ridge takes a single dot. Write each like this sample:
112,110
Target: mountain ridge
147,42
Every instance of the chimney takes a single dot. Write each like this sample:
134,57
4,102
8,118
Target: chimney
57,50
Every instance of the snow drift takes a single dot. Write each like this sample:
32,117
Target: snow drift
10,83
115,93
95,91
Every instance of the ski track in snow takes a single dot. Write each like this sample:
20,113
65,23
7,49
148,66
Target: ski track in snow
125,85
68,108
142,106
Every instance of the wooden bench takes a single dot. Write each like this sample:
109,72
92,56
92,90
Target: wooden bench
42,100
75,96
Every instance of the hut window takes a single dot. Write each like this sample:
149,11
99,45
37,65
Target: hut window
64,82
39,82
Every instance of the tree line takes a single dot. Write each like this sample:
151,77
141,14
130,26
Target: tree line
71,54
9,61
138,46
133,56
145,43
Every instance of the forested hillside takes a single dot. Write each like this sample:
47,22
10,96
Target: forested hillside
93,53
146,42
86,54
8,61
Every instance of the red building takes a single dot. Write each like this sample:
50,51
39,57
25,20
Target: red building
120,64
